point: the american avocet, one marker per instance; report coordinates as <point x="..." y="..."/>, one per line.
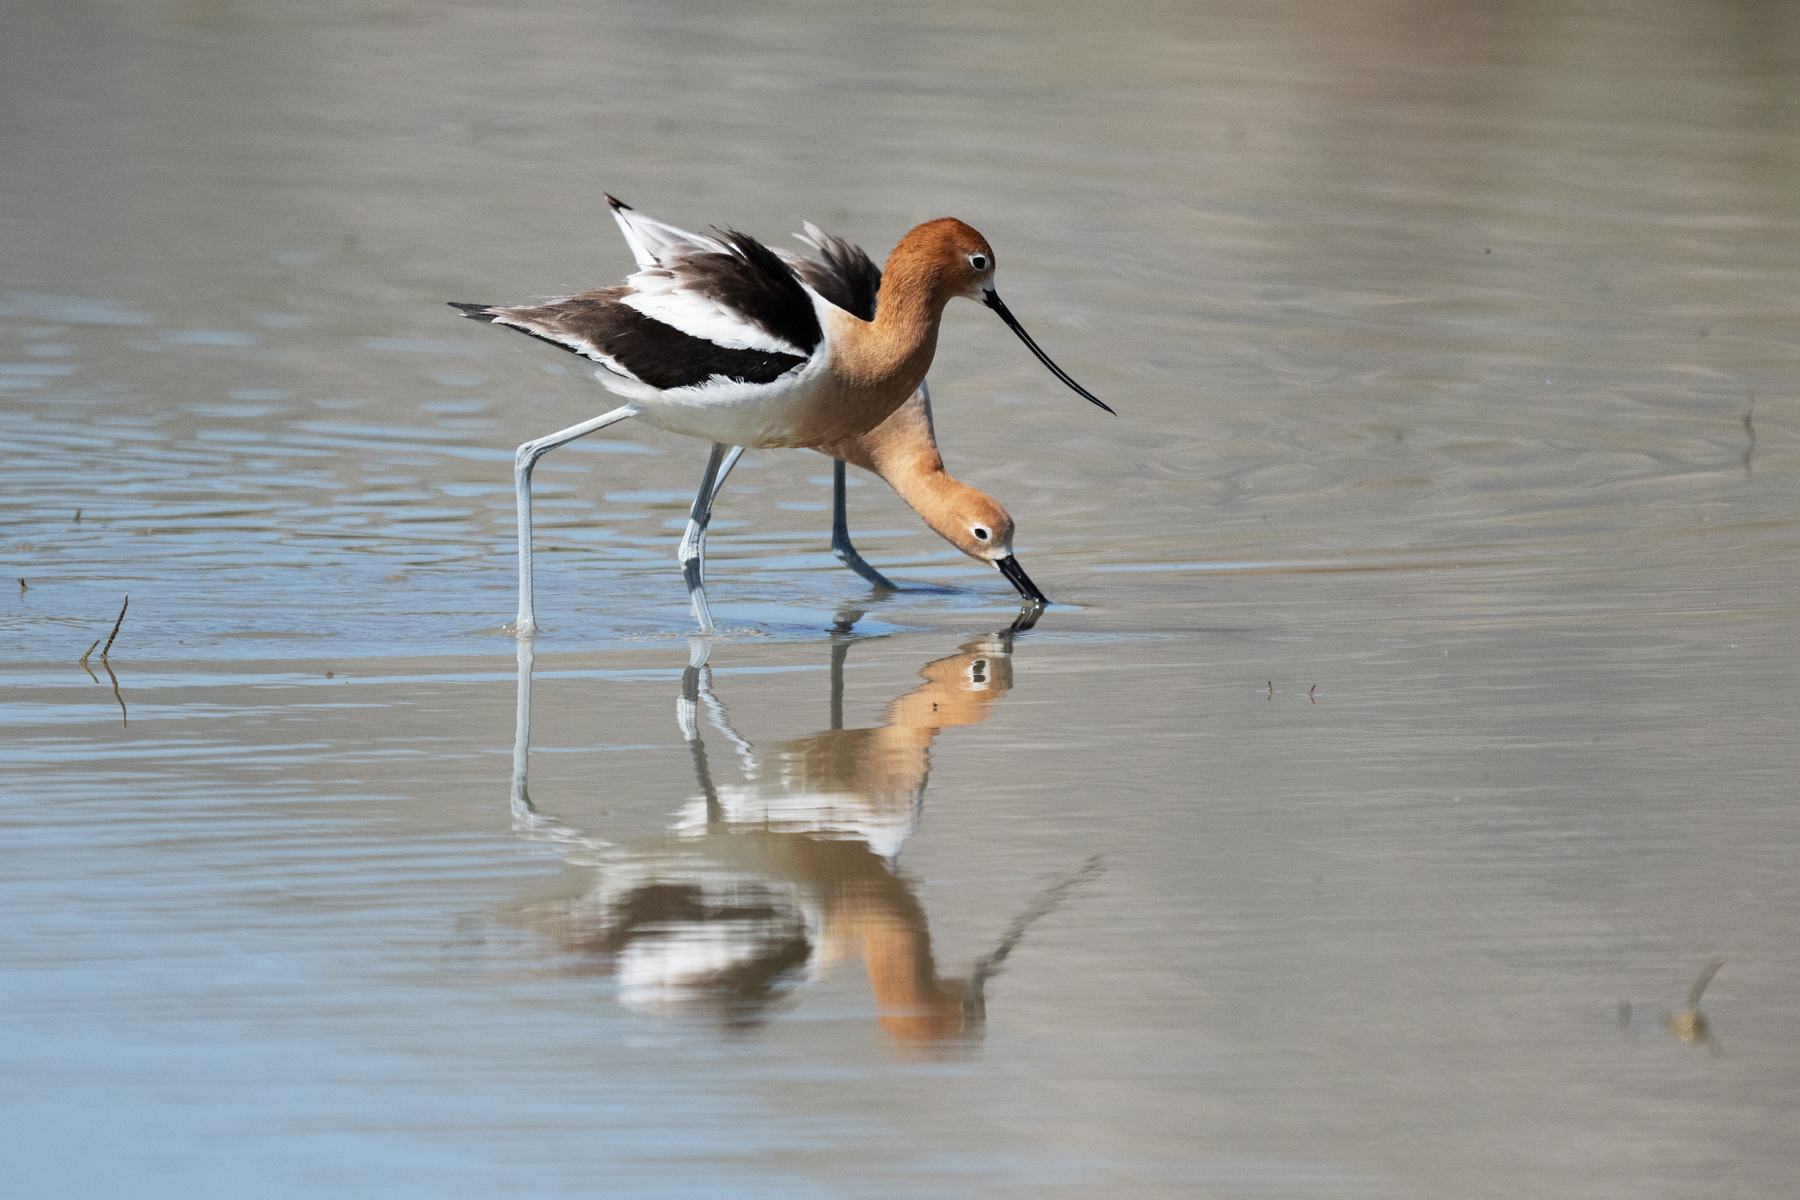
<point x="721" y="338"/>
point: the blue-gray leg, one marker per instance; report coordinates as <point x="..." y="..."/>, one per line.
<point x="693" y="542"/>
<point x="523" y="461"/>
<point x="840" y="533"/>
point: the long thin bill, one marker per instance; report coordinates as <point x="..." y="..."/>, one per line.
<point x="992" y="300"/>
<point x="1015" y="575"/>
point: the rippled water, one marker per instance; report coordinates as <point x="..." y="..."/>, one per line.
<point x="1411" y="732"/>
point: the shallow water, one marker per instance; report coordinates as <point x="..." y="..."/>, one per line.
<point x="1412" y="729"/>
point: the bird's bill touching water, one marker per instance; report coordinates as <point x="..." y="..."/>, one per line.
<point x="991" y="298"/>
<point x="1015" y="575"/>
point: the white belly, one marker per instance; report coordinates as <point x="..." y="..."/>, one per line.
<point x="737" y="414"/>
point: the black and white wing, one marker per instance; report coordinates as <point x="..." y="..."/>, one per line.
<point x="655" y="242"/>
<point x="738" y="313"/>
<point x="847" y="277"/>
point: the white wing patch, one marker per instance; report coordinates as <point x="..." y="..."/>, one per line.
<point x="663" y="295"/>
<point x="654" y="242"/>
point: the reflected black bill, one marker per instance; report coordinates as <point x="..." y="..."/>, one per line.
<point x="992" y="299"/>
<point x="1015" y="575"/>
<point x="1028" y="617"/>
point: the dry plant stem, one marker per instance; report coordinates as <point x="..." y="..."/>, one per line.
<point x="1750" y="429"/>
<point x="1046" y="902"/>
<point x="115" y="631"/>
<point x="84" y="656"/>
<point x="1706" y="977"/>
<point x="124" y="717"/>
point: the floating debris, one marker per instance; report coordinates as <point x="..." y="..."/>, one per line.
<point x="1690" y="1024"/>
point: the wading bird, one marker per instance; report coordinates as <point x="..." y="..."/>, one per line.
<point x="719" y="337"/>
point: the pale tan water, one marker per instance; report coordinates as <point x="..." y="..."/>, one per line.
<point x="1420" y="694"/>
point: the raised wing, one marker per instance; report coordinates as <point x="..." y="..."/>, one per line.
<point x="599" y="326"/>
<point x="654" y="242"/>
<point x="742" y="298"/>
<point x="847" y="277"/>
<point x="697" y="309"/>
<point x="739" y="313"/>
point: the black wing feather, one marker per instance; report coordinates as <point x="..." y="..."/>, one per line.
<point x="754" y="282"/>
<point x="751" y="280"/>
<point x="847" y="277"/>
<point x="595" y="325"/>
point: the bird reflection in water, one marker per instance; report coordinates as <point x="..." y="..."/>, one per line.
<point x="767" y="881"/>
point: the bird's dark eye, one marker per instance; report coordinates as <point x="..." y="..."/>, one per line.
<point x="978" y="261"/>
<point x="981" y="533"/>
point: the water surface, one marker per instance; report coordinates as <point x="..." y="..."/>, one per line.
<point x="1412" y="728"/>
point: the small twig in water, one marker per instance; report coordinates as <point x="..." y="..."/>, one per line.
<point x="1271" y="689"/>
<point x="1310" y="691"/>
<point x="1706" y="977"/>
<point x="88" y="651"/>
<point x="78" y="516"/>
<point x="989" y="965"/>
<point x="124" y="717"/>
<point x="116" y="624"/>
<point x="22" y="586"/>
<point x="1750" y="428"/>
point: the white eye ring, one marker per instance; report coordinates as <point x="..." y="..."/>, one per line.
<point x="980" y="533"/>
<point x="978" y="261"/>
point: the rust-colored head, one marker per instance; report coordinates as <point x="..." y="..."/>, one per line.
<point x="934" y="1028"/>
<point x="968" y="518"/>
<point x="952" y="256"/>
<point x="944" y="259"/>
<point x="973" y="522"/>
